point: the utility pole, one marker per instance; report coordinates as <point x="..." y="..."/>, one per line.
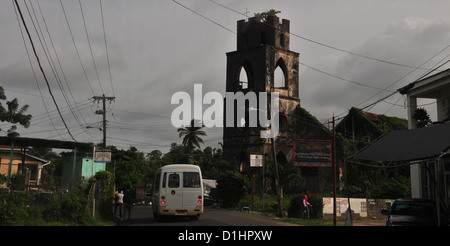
<point x="103" y="112"/>
<point x="277" y="179"/>
<point x="334" y="172"/>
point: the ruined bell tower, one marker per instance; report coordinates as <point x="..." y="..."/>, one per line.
<point x="262" y="63"/>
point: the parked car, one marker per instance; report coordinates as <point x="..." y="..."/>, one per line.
<point x="413" y="212"/>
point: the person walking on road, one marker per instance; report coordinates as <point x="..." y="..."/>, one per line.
<point x="306" y="206"/>
<point x="127" y="204"/>
<point x="120" y="203"/>
<point x="116" y="202"/>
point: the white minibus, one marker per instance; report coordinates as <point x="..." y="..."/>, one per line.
<point x="178" y="191"/>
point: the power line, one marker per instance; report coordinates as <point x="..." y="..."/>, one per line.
<point x="224" y="6"/>
<point x="204" y="17"/>
<point x="34" y="73"/>
<point x="89" y="44"/>
<point x="338" y="77"/>
<point x="75" y="46"/>
<point x="322" y="44"/>
<point x="51" y="63"/>
<point x="42" y="70"/>
<point x="106" y="48"/>
<point x="316" y="42"/>
<point x="373" y="104"/>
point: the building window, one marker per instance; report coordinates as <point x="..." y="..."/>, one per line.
<point x="243" y="79"/>
<point x="280" y="75"/>
<point x="279" y="80"/>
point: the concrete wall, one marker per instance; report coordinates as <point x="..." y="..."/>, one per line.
<point x="361" y="207"/>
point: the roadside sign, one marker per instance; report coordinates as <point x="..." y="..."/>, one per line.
<point x="312" y="152"/>
<point x="256" y="160"/>
<point x="103" y="156"/>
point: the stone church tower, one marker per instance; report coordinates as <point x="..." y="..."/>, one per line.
<point x="262" y="63"/>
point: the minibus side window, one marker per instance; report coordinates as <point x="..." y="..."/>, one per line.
<point x="164" y="181"/>
<point x="174" y="180"/>
<point x="158" y="178"/>
<point x="191" y="180"/>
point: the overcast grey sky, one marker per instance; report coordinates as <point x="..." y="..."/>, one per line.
<point x="158" y="47"/>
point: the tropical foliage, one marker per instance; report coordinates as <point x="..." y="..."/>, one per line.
<point x="263" y="15"/>
<point x="13" y="114"/>
<point x="191" y="136"/>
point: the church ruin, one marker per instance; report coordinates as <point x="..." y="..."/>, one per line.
<point x="263" y="62"/>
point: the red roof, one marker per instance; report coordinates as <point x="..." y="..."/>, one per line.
<point x="373" y="117"/>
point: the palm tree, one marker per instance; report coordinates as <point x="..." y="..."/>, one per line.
<point x="191" y="138"/>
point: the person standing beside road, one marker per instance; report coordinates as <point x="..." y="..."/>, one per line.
<point x="116" y="202"/>
<point x="127" y="204"/>
<point x="306" y="206"/>
<point x="120" y="203"/>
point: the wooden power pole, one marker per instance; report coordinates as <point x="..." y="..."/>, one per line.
<point x="103" y="112"/>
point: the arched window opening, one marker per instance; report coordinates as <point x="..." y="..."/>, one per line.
<point x="243" y="159"/>
<point x="281" y="158"/>
<point x="279" y="79"/>
<point x="243" y="79"/>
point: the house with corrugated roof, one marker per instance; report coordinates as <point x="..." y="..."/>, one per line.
<point x="18" y="161"/>
<point x="436" y="86"/>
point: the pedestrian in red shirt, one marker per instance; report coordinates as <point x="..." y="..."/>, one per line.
<point x="306" y="206"/>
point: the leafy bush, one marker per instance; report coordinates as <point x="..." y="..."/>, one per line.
<point x="106" y="180"/>
<point x="270" y="203"/>
<point x="13" y="209"/>
<point x="230" y="188"/>
<point x="75" y="206"/>
<point x="51" y="211"/>
<point x="295" y="208"/>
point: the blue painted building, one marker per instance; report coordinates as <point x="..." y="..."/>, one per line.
<point x="81" y="168"/>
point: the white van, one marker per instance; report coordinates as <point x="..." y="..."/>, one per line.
<point x="178" y="191"/>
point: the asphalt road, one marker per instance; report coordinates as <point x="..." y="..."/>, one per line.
<point x="143" y="216"/>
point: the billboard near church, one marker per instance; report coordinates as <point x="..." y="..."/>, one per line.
<point x="312" y="152"/>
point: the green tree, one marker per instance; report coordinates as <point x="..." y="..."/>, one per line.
<point x="231" y="188"/>
<point x="154" y="155"/>
<point x="106" y="180"/>
<point x="14" y="114"/>
<point x="176" y="154"/>
<point x="422" y="118"/>
<point x="131" y="168"/>
<point x="75" y="205"/>
<point x="263" y="15"/>
<point x="191" y="137"/>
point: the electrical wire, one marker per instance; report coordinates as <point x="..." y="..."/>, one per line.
<point x="322" y="44"/>
<point x="338" y="77"/>
<point x="52" y="64"/>
<point x="34" y="73"/>
<point x="41" y="68"/>
<point x="106" y="48"/>
<point x="398" y="80"/>
<point x="328" y="46"/>
<point x="76" y="49"/>
<point x="90" y="46"/>
<point x="204" y="17"/>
